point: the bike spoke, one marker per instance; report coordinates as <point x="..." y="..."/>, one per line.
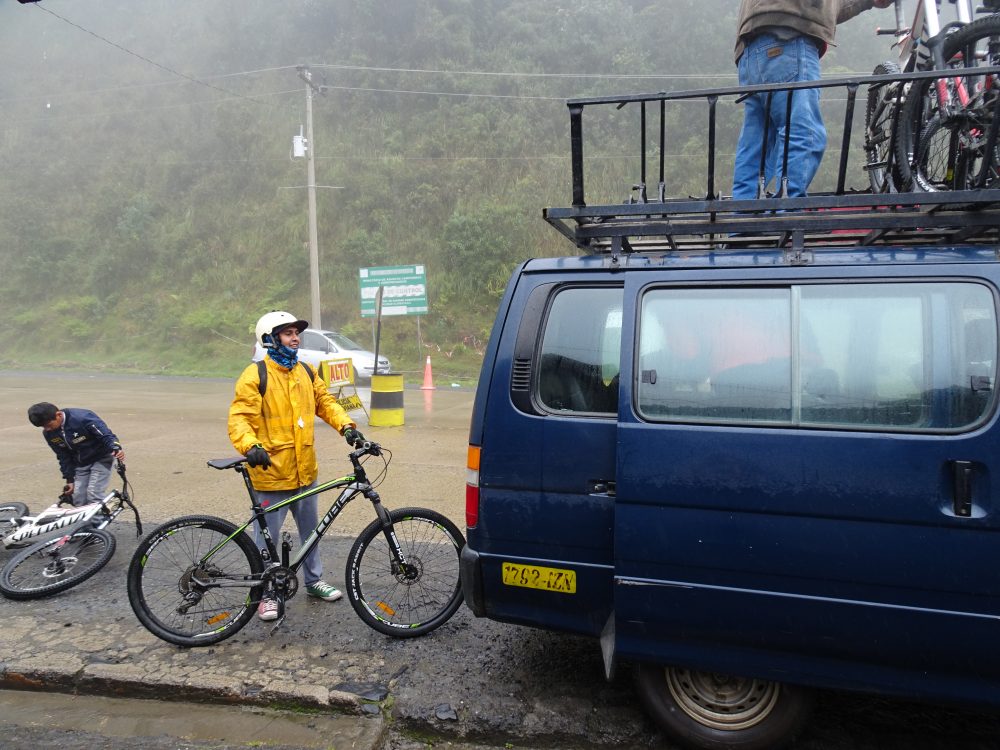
<point x="420" y="591"/>
<point x="173" y="587"/>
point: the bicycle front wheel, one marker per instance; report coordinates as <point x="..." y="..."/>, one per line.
<point x="57" y="564"/>
<point x="195" y="581"/>
<point x="415" y="597"/>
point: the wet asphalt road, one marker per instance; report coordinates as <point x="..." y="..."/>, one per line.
<point x="505" y="684"/>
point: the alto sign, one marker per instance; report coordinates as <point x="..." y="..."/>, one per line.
<point x="404" y="290"/>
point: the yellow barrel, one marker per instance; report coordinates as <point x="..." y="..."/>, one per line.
<point x="387" y="401"/>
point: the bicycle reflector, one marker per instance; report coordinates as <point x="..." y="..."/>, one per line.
<point x="472" y="486"/>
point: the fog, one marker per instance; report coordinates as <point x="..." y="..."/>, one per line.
<point x="152" y="207"/>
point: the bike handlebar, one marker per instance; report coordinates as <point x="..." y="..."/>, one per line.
<point x="366" y="447"/>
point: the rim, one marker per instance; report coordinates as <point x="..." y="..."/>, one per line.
<point x="722" y="701"/>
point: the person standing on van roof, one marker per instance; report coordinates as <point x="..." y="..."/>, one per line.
<point x="84" y="445"/>
<point x="271" y="423"/>
<point x="780" y="41"/>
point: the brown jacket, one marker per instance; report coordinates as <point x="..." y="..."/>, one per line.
<point x="815" y="18"/>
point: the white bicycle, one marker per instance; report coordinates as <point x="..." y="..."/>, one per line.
<point x="64" y="545"/>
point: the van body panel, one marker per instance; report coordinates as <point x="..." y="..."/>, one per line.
<point x="543" y="496"/>
<point x="830" y="550"/>
<point x="789" y="548"/>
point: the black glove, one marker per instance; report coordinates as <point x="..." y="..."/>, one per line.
<point x="257" y="456"/>
<point x="353" y="437"/>
<point x="66" y="496"/>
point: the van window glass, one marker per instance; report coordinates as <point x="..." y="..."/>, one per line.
<point x="914" y="356"/>
<point x="580" y="353"/>
<point x="716" y="353"/>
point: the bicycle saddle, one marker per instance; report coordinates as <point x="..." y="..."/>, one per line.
<point x="226" y="463"/>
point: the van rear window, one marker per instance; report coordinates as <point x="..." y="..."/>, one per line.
<point x="580" y="353"/>
<point x="905" y="356"/>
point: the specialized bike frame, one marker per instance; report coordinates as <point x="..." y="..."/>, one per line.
<point x="53" y="520"/>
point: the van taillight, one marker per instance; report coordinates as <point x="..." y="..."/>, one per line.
<point x="472" y="486"/>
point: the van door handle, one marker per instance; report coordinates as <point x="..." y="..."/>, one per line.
<point x="601" y="487"/>
<point x="961" y="488"/>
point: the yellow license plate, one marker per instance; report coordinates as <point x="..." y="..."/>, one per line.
<point x="537" y="577"/>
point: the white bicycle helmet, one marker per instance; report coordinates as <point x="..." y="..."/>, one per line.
<point x="272" y="322"/>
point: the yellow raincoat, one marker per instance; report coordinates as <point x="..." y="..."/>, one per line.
<point x="282" y="421"/>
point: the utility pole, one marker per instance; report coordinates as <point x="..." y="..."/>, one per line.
<point x="306" y="75"/>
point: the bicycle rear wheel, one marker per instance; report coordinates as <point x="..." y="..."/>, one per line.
<point x="57" y="564"/>
<point x="10" y="511"/>
<point x="412" y="600"/>
<point x="191" y="581"/>
<point x="878" y="131"/>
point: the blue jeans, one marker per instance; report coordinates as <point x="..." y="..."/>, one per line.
<point x="306" y="515"/>
<point x="768" y="59"/>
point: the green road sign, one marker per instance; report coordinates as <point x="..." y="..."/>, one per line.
<point x="404" y="290"/>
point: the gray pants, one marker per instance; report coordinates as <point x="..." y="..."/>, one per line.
<point x="306" y="515"/>
<point x="90" y="483"/>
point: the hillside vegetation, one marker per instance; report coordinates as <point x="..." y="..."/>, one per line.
<point x="150" y="209"/>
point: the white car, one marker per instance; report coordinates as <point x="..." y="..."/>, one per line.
<point x="316" y="346"/>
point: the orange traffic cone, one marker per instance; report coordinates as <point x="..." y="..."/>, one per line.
<point x="428" y="378"/>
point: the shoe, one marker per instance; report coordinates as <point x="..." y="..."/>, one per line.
<point x="323" y="590"/>
<point x="267" y="610"/>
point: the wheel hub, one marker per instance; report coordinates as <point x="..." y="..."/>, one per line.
<point x="59" y="567"/>
<point x="409" y="572"/>
<point x="722" y="701"/>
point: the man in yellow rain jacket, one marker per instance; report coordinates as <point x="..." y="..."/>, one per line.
<point x="273" y="427"/>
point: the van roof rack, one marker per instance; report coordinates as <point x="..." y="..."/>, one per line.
<point x="845" y="217"/>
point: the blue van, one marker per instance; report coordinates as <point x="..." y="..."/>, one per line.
<point x="751" y="453"/>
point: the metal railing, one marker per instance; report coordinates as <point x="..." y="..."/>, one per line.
<point x="858" y="216"/>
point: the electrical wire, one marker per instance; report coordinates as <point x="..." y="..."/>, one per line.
<point x="137" y="55"/>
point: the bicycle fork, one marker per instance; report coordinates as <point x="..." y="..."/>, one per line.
<point x="399" y="567"/>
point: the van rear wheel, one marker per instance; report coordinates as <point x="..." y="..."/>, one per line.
<point x="710" y="711"/>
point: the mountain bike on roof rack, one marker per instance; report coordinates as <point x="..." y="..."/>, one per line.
<point x="197" y="580"/>
<point x="937" y="134"/>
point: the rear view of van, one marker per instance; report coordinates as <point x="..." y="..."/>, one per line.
<point x="748" y="468"/>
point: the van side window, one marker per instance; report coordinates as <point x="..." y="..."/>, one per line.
<point x="580" y="352"/>
<point x="913" y="356"/>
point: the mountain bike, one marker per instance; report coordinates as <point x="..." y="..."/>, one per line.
<point x="937" y="133"/>
<point x="197" y="580"/>
<point x="67" y="545"/>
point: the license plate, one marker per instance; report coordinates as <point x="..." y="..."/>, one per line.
<point x="538" y="577"/>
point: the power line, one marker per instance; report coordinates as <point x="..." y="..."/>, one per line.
<point x="140" y="57"/>
<point x="514" y="74"/>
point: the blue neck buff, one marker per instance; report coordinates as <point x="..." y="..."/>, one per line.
<point x="284" y="356"/>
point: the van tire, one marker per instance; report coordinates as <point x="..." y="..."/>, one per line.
<point x="749" y="715"/>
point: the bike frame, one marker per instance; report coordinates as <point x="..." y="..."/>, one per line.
<point x="927" y="18"/>
<point x="68" y="521"/>
<point x="352" y="485"/>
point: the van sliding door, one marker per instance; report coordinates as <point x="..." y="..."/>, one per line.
<point x="805" y="481"/>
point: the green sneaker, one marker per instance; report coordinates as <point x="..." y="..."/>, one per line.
<point x="323" y="590"/>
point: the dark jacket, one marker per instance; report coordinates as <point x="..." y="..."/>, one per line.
<point x="815" y="18"/>
<point x="83" y="439"/>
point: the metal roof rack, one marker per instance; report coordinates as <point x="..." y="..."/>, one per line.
<point x="842" y="218"/>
